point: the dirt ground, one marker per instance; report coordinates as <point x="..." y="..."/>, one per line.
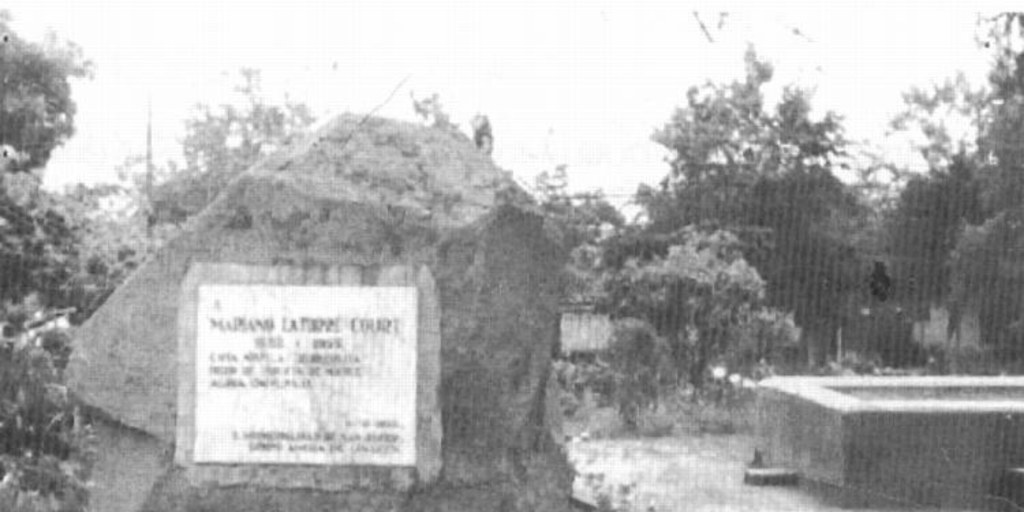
<point x="691" y="473"/>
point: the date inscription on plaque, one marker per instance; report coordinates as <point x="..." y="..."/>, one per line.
<point x="321" y="375"/>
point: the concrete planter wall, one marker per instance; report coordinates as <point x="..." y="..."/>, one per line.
<point x="899" y="441"/>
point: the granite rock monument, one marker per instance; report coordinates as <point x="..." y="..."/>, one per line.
<point x="256" y="320"/>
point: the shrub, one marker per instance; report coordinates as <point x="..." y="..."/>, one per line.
<point x="719" y="408"/>
<point x="581" y="377"/>
<point x="609" y="497"/>
<point x="971" y="360"/>
<point x="766" y="339"/>
<point x="635" y="355"/>
<point x="46" y="450"/>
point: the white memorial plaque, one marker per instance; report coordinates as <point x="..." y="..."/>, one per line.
<point x="306" y="375"/>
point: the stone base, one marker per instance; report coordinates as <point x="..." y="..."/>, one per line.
<point x="128" y="464"/>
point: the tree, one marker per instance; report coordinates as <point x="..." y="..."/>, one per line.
<point x="1002" y="139"/>
<point x="581" y="217"/>
<point x="925" y="226"/>
<point x="581" y="221"/>
<point x="931" y="112"/>
<point x="38" y="251"/>
<point x="222" y="142"/>
<point x="766" y="175"/>
<point x="112" y="241"/>
<point x="37" y="113"/>
<point x="988" y="262"/>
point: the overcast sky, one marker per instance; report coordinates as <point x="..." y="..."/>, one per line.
<point x="579" y="83"/>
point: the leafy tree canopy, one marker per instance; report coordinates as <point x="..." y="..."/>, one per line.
<point x="39" y="250"/>
<point x="957" y="231"/>
<point x="581" y="217"/>
<point x="765" y="174"/>
<point x="725" y="140"/>
<point x="37" y="113"/>
<point x="223" y="141"/>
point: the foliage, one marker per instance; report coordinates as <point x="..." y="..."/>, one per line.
<point x="582" y="218"/>
<point x="112" y="241"/>
<point x="766" y="175"/>
<point x="989" y="276"/>
<point x="722" y="409"/>
<point x="808" y="261"/>
<point x="46" y="248"/>
<point x="932" y="210"/>
<point x="68" y="249"/>
<point x="609" y="497"/>
<point x="38" y="250"/>
<point x="580" y="377"/>
<point x="971" y="360"/>
<point x="1002" y="140"/>
<point x="582" y="221"/>
<point x="766" y="341"/>
<point x="695" y="296"/>
<point x="936" y="112"/>
<point x="635" y="355"/>
<point x="223" y="141"/>
<point x="986" y="264"/>
<point x="46" y="449"/>
<point x="724" y="141"/>
<point x="37" y="113"/>
<point x="432" y="111"/>
<point x="924" y="228"/>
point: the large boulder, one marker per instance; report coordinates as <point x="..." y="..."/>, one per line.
<point x="373" y="193"/>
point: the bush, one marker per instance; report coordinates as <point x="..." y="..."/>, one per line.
<point x="636" y="353"/>
<point x="720" y="408"/>
<point x="582" y="377"/>
<point x="971" y="360"/>
<point x="46" y="449"/>
<point x="768" y="338"/>
<point x="609" y="497"/>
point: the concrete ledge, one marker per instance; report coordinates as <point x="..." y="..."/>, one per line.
<point x="925" y="441"/>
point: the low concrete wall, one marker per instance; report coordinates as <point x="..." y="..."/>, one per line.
<point x="800" y="434"/>
<point x="882" y="452"/>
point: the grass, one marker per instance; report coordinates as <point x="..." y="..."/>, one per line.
<point x="676" y="415"/>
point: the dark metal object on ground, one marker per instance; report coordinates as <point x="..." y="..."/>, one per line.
<point x="770" y="476"/>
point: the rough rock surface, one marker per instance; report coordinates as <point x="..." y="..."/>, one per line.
<point x="367" y="192"/>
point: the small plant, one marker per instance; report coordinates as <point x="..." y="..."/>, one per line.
<point x="723" y="405"/>
<point x="656" y="423"/>
<point x="581" y="378"/>
<point x="609" y="497"/>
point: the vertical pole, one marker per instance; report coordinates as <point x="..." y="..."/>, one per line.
<point x="839" y="344"/>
